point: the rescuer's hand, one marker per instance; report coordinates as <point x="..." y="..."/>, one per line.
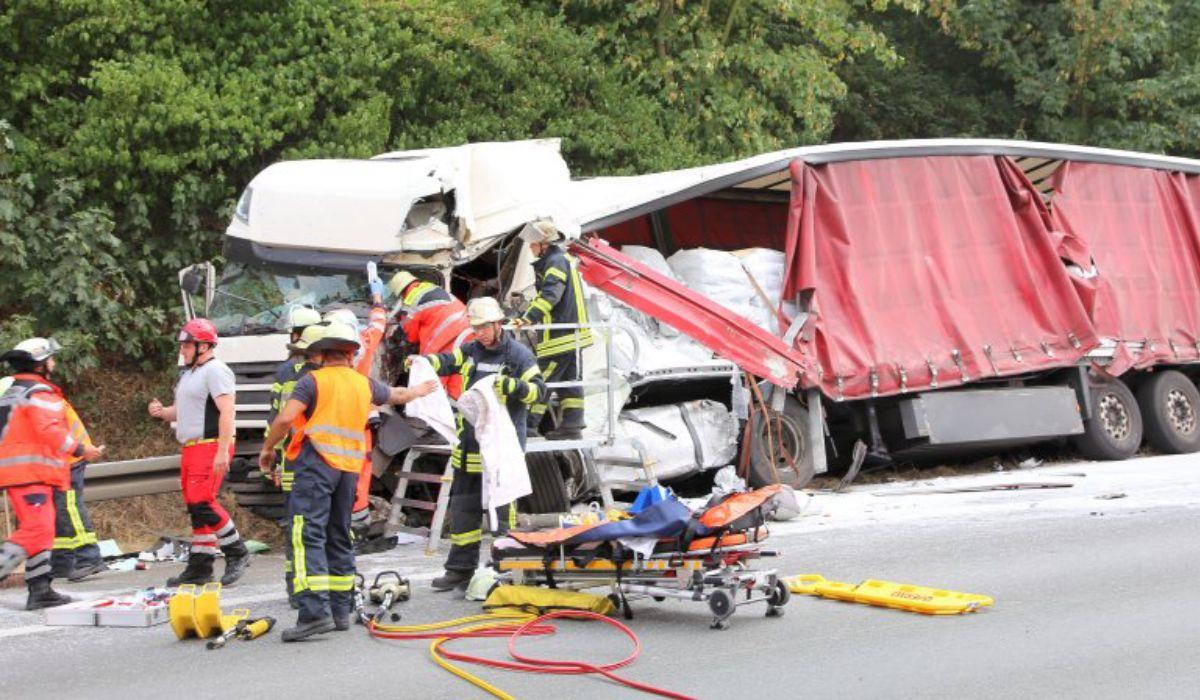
<point x="91" y="453"/>
<point x="221" y="463"/>
<point x="374" y="281"/>
<point x="426" y="388"/>
<point x="505" y="386"/>
<point x="518" y="322"/>
<point x="155" y="408"/>
<point x="266" y="461"/>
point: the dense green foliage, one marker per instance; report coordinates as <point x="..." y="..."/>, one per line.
<point x="129" y="126"/>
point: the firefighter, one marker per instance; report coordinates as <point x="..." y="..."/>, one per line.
<point x="364" y="361"/>
<point x="204" y="413"/>
<point x="76" y="553"/>
<point x="492" y="352"/>
<point x="432" y="319"/>
<point x="303" y="323"/>
<point x="327" y="413"/>
<point x="559" y="300"/>
<point x="35" y="444"/>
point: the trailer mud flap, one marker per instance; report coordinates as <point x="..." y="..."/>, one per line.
<point x="729" y="335"/>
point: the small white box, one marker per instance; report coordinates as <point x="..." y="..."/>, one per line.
<point x="80" y="614"/>
<point x="139" y="614"/>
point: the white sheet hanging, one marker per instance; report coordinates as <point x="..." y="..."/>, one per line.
<point x="505" y="476"/>
<point x="434" y="409"/>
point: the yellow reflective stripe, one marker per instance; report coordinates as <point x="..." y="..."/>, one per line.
<point x="555" y="272"/>
<point x="530" y="373"/>
<point x="300" y="580"/>
<point x="538" y="409"/>
<point x="434" y="361"/>
<point x="82" y="536"/>
<point x="323" y="582"/>
<point x="458" y="356"/>
<point x="512" y="515"/>
<point x="464" y="538"/>
<point x="531" y="395"/>
<point x="31" y="459"/>
<point x="572" y="403"/>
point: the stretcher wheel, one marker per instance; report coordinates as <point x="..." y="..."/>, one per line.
<point x="780" y="594"/>
<point x="720" y="603"/>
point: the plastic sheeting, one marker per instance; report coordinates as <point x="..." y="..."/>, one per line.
<point x="927" y="272"/>
<point x="1142" y="229"/>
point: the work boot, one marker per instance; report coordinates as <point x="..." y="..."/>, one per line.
<point x="199" y="570"/>
<point x="41" y="595"/>
<point x="237" y="560"/>
<point x="304" y="630"/>
<point x="341" y="622"/>
<point x="11" y="556"/>
<point x="452" y="580"/>
<point x="80" y="573"/>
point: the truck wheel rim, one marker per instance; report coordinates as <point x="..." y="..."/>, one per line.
<point x="1180" y="412"/>
<point x="1114" y="417"/>
<point x="785" y="432"/>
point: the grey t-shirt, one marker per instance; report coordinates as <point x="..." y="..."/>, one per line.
<point x="196" y="415"/>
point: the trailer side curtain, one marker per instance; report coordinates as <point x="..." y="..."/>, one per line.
<point x="924" y="272"/>
<point x="1141" y="226"/>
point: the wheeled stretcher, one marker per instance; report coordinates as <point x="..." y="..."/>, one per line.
<point x="665" y="551"/>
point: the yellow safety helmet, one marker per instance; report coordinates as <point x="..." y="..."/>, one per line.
<point x="399" y="281"/>
<point x="337" y="336"/>
<point x="308" y="336"/>
<point x="301" y="317"/>
<point x="484" y="310"/>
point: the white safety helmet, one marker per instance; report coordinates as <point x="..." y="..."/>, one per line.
<point x="481" y="585"/>
<point x="301" y="317"/>
<point x="34" y="350"/>
<point x="344" y="316"/>
<point x="337" y="336"/>
<point x="541" y="231"/>
<point x="484" y="310"/>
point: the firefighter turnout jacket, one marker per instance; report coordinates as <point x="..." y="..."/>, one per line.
<point x="559" y="300"/>
<point x="286" y="375"/>
<point x="435" y="321"/>
<point x="520" y="386"/>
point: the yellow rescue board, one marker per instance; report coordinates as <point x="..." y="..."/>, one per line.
<point x="886" y="594"/>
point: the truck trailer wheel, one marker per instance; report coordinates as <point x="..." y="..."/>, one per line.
<point x="787" y="428"/>
<point x="1170" y="405"/>
<point x="549" y="490"/>
<point x="1114" y="431"/>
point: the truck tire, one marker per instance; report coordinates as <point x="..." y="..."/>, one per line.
<point x="791" y="424"/>
<point x="1170" y="406"/>
<point x="1114" y="432"/>
<point x="549" y="490"/>
<point x="258" y="495"/>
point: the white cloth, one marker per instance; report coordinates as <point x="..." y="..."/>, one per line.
<point x="505" y="477"/>
<point x="434" y="409"/>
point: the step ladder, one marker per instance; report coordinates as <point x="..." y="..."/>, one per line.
<point x="400" y="500"/>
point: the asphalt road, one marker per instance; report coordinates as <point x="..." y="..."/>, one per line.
<point x="1097" y="601"/>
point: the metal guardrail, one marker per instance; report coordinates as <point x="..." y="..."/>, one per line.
<point x="133" y="477"/>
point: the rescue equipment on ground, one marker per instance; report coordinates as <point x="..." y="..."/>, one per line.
<point x="388" y="589"/>
<point x="244" y="629"/>
<point x="144" y="608"/>
<point x="539" y="601"/>
<point x="664" y="551"/>
<point x="198" y="614"/>
<point x="886" y="594"/>
<point x="513" y="626"/>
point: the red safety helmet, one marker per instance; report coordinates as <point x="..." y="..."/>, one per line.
<point x="198" y="330"/>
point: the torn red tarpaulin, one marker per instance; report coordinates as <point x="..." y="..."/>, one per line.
<point x="1141" y="226"/>
<point x="726" y="333"/>
<point x="928" y="271"/>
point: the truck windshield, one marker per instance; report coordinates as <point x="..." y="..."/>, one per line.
<point x="254" y="295"/>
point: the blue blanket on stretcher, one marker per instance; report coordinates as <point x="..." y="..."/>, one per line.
<point x="667" y="518"/>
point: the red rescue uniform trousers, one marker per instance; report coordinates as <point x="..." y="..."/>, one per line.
<point x="33" y="507"/>
<point x="200" y="489"/>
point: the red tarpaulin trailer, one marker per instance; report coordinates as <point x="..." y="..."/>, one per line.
<point x="926" y="272"/>
<point x="1142" y="229"/>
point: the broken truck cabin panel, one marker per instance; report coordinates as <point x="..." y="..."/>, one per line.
<point x="915" y="268"/>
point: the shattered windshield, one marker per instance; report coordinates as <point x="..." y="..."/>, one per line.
<point x="253" y="296"/>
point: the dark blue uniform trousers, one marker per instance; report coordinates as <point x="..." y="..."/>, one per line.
<point x="322" y="554"/>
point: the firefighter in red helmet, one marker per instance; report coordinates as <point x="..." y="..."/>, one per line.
<point x="204" y="425"/>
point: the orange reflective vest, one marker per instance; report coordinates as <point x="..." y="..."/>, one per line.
<point x="78" y="430"/>
<point x="337" y="427"/>
<point x="35" y="440"/>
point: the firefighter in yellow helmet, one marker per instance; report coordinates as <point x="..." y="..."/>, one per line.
<point x="327" y="414"/>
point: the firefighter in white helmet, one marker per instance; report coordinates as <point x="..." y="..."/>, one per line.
<point x="520" y="385"/>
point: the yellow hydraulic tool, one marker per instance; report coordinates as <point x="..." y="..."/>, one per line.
<point x="253" y="629"/>
<point x="886" y="594"/>
<point x="230" y="624"/>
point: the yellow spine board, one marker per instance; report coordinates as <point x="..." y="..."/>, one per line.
<point x="886" y="594"/>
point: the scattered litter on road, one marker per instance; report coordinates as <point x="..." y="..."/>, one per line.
<point x="1029" y="463"/>
<point x="257" y="547"/>
<point x="127" y="564"/>
<point x="109" y="549"/>
<point x="1110" y="496"/>
<point x="1067" y="474"/>
<point x="886" y="594"/>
